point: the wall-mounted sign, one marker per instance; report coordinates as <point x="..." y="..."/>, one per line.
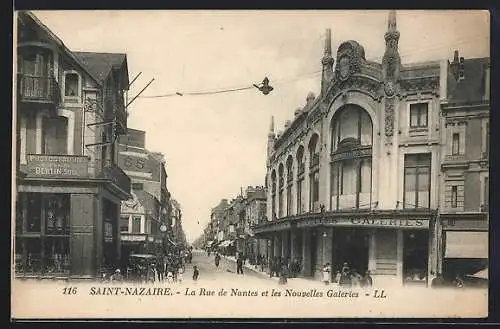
<point x="133" y="237"/>
<point x="58" y="166"/>
<point x="401" y="223"/>
<point x="108" y="232"/>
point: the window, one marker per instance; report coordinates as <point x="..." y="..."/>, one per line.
<point x="299" y="195"/>
<point x="417" y="180"/>
<point x="487" y="141"/>
<point x="136" y="224"/>
<point x="455" y="148"/>
<point x="55" y="135"/>
<point x="42" y="239"/>
<point x="71" y="85"/>
<point x="486" y="194"/>
<point x="124" y="224"/>
<point x="289" y="200"/>
<point x="418" y="115"/>
<point x="454" y="196"/>
<point x="352" y="122"/>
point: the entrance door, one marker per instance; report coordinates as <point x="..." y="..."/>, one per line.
<point x="351" y="246"/>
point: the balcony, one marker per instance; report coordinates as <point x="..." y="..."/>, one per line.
<point x="117" y="177"/>
<point x="38" y="89"/>
<point x="61" y="167"/>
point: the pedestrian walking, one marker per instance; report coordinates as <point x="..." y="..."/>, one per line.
<point x="326" y="273"/>
<point x="196" y="273"/>
<point x="367" y="280"/>
<point x="239" y="265"/>
<point x="217" y="259"/>
<point x="170" y="277"/>
<point x="180" y="274"/>
<point x="283" y="274"/>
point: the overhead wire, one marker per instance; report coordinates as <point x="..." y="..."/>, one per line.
<point x="302" y="77"/>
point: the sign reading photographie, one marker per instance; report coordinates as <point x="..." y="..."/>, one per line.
<point x="57" y="166"/>
<point x="132" y="237"/>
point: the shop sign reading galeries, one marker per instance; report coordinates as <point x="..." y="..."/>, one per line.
<point x="57" y="166"/>
<point x="402" y="223"/>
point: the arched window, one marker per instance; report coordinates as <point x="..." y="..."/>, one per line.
<point x="314" y="173"/>
<point x="289" y="175"/>
<point x="351" y="159"/>
<point x="281" y="187"/>
<point x="300" y="179"/>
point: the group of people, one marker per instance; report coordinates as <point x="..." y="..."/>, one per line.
<point x="347" y="277"/>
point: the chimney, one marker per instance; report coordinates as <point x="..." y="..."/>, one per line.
<point x="461" y="69"/>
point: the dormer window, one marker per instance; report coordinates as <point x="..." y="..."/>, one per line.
<point x="72" y="86"/>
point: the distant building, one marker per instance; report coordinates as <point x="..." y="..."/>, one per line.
<point x="143" y="215"/>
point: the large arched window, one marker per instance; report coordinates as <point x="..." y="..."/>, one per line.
<point x="301" y="168"/>
<point x="314" y="173"/>
<point x="351" y="159"/>
<point x="281" y="187"/>
<point x="289" y="184"/>
<point x="273" y="194"/>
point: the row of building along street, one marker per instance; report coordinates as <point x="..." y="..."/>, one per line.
<point x="386" y="170"/>
<point x="89" y="192"/>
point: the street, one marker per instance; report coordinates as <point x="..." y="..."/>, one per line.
<point x="225" y="273"/>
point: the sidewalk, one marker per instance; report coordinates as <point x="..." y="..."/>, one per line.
<point x="298" y="282"/>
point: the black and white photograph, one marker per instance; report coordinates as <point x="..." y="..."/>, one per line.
<point x="250" y="164"/>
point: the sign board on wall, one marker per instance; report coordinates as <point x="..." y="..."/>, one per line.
<point x="133" y="237"/>
<point x="57" y="166"/>
<point x="368" y="222"/>
<point x="139" y="163"/>
<point x="108" y="232"/>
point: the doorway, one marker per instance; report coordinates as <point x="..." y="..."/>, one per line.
<point x="415" y="255"/>
<point x="351" y="246"/>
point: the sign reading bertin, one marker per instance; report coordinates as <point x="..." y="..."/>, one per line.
<point x="57" y="166"/>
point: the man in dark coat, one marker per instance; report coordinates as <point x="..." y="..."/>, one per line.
<point x="239" y="264"/>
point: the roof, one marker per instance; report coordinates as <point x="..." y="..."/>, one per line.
<point x="101" y="64"/>
<point x="58" y="42"/>
<point x="472" y="88"/>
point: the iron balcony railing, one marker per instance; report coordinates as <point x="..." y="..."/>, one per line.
<point x="38" y="88"/>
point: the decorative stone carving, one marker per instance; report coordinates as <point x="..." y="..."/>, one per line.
<point x="420" y="84"/>
<point x="389" y="116"/>
<point x="372" y="87"/>
<point x="351" y="55"/>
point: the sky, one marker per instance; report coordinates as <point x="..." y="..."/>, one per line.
<point x="215" y="145"/>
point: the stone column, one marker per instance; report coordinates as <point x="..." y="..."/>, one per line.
<point x="293" y="243"/>
<point x="399" y="269"/>
<point x="306" y="252"/>
<point x="372" y="261"/>
<point x="284" y="244"/>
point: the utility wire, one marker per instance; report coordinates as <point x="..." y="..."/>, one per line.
<point x="290" y="80"/>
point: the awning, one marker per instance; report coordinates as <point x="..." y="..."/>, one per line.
<point x="226" y="243"/>
<point x="210" y="243"/>
<point x="466" y="245"/>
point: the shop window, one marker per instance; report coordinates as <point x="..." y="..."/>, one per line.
<point x="55" y="135"/>
<point x="56" y="213"/>
<point x="418" y="115"/>
<point x="454" y="196"/>
<point x="33" y="213"/>
<point x="455" y="148"/>
<point x="42" y="242"/>
<point x="56" y="255"/>
<point x="71" y="82"/>
<point x="417" y="180"/>
<point x="124" y="224"/>
<point x="136" y="224"/>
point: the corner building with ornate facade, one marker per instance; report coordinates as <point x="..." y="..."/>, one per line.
<point x="354" y="177"/>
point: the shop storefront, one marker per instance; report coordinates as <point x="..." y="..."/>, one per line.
<point x="66" y="220"/>
<point x="393" y="245"/>
<point x="464" y="244"/>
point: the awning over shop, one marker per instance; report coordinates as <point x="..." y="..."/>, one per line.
<point x="210" y="243"/>
<point x="226" y="243"/>
<point x="466" y="245"/>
